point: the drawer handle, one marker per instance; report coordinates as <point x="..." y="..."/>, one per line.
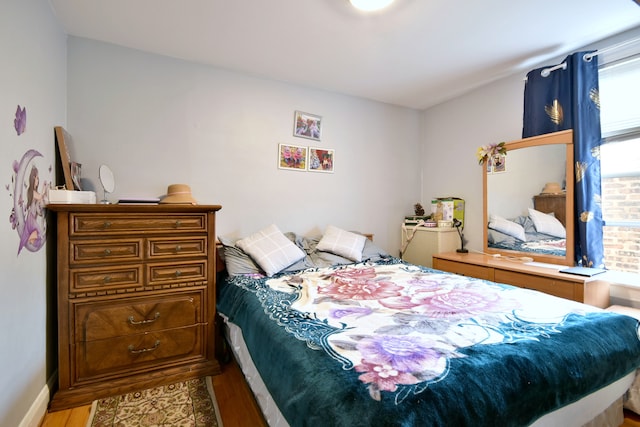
<point x="106" y="224"/>
<point x="178" y="273"/>
<point x="178" y="223"/>
<point x="143" y="322"/>
<point x="107" y="252"/>
<point x="178" y="248"/>
<point x="133" y="350"/>
<point x="106" y="279"/>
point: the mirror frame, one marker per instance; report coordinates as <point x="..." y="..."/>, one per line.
<point x="562" y="137"/>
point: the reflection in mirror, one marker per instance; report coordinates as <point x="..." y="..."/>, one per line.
<point x="107" y="181"/>
<point x="529" y="202"/>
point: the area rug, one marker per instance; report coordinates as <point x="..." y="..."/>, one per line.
<point x="189" y="403"/>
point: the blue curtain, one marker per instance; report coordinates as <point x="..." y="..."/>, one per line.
<point x="568" y="98"/>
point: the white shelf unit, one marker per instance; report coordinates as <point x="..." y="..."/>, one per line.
<point x="428" y="241"/>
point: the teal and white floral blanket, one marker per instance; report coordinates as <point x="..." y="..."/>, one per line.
<point x="391" y="344"/>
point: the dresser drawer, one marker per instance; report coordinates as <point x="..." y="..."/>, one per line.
<point x="188" y="271"/>
<point x="114" y="250"/>
<point x="84" y="224"/>
<point x="538" y="283"/>
<point x="177" y="247"/>
<point x="469" y="270"/>
<point x="130" y="353"/>
<point x="108" y="319"/>
<point x="104" y="279"/>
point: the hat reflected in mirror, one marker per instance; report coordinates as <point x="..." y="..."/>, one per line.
<point x="552" y="188"/>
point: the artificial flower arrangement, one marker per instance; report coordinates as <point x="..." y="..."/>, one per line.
<point x="489" y="151"/>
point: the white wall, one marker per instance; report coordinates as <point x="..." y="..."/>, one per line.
<point x="510" y="193"/>
<point x="156" y="121"/>
<point x="32" y="75"/>
<point x="454" y="130"/>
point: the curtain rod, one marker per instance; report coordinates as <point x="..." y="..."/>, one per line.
<point x="589" y="56"/>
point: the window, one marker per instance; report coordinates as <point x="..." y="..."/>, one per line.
<point x="620" y="163"/>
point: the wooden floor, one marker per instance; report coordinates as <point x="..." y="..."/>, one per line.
<point x="237" y="405"/>
<point x="631" y="419"/>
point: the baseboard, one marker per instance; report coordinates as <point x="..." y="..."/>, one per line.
<point x="38" y="409"/>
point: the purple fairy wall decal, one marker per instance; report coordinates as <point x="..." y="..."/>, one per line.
<point x="20" y="122"/>
<point x="29" y="199"/>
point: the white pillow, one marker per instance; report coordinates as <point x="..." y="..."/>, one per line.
<point x="271" y="249"/>
<point x="547" y="224"/>
<point x="507" y="227"/>
<point x="343" y="243"/>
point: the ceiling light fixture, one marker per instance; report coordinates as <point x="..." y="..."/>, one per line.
<point x="370" y="5"/>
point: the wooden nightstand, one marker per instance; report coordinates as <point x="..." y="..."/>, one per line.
<point x="136" y="298"/>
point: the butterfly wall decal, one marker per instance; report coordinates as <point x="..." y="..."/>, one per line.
<point x="20" y="122"/>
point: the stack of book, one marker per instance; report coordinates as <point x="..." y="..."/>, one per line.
<point x="139" y="201"/>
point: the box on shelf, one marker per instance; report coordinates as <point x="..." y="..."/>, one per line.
<point x="71" y="197"/>
<point x="448" y="208"/>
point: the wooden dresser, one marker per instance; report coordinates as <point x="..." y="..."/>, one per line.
<point x="136" y="298"/>
<point x="589" y="290"/>
<point x="552" y="203"/>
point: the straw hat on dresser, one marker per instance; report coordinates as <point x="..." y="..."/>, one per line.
<point x="179" y="194"/>
<point x="552" y="188"/>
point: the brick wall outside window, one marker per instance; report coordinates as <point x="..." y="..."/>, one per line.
<point x="621" y="202"/>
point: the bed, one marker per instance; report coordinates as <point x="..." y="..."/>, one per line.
<point x="538" y="232"/>
<point x="348" y="335"/>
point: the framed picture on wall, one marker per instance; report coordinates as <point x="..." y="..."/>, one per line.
<point x="293" y="157"/>
<point x="321" y="159"/>
<point x="307" y="125"/>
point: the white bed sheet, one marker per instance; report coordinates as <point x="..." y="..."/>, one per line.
<point x="603" y="408"/>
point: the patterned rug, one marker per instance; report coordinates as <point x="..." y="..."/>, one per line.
<point x="189" y="403"/>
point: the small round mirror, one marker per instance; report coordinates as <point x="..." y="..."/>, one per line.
<point x="106" y="179"/>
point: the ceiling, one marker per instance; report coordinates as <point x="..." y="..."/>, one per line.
<point x="416" y="53"/>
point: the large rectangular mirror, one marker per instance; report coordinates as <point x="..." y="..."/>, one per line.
<point x="519" y="219"/>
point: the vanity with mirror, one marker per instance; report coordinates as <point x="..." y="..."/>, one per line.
<point x="515" y="251"/>
<point x="512" y="195"/>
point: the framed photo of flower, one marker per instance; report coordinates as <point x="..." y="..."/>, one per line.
<point x="321" y="159"/>
<point x="307" y="125"/>
<point x="292" y="157"/>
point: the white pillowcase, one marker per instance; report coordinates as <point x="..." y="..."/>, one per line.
<point x="547" y="224"/>
<point x="343" y="243"/>
<point x="507" y="227"/>
<point x="271" y="249"/>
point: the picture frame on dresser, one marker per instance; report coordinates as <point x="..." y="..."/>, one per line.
<point x="63" y="164"/>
